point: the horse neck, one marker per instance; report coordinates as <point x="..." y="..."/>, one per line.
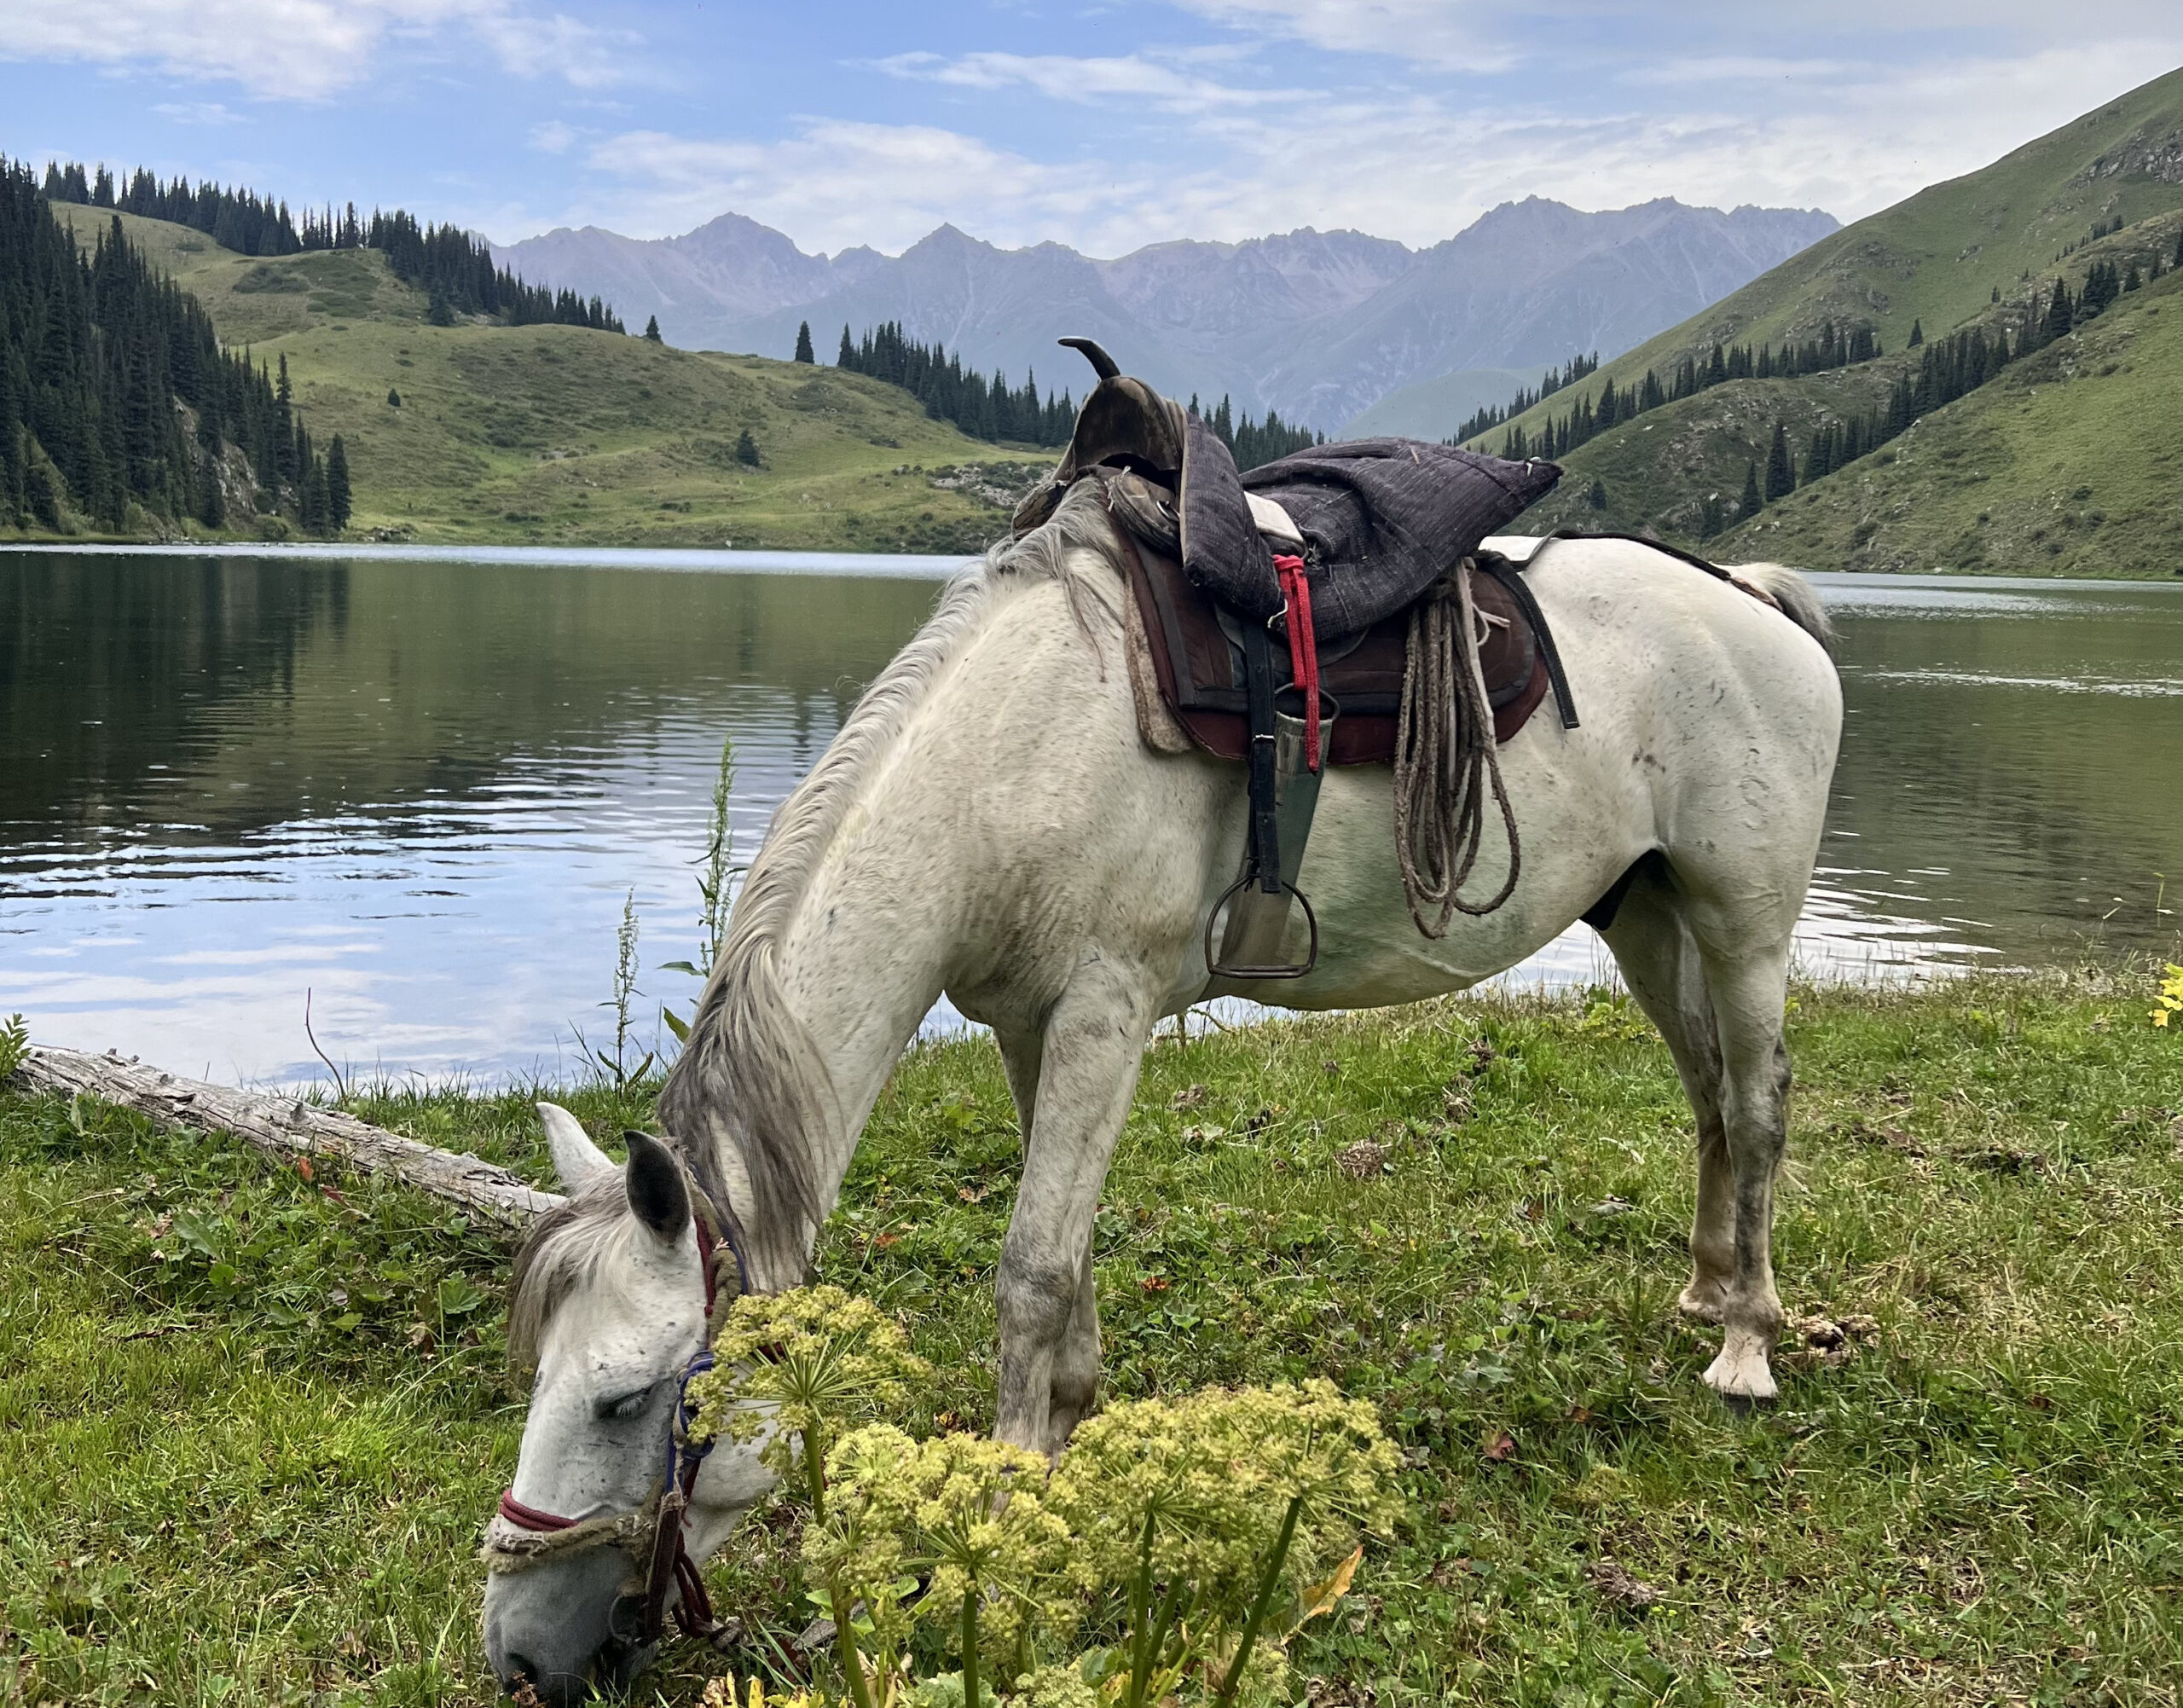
<point x="838" y="949"/>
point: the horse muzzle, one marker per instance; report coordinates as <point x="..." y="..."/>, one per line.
<point x="567" y="1630"/>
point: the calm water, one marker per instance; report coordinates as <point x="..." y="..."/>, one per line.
<point x="420" y="786"/>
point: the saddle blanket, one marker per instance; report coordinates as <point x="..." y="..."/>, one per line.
<point x="1186" y="670"/>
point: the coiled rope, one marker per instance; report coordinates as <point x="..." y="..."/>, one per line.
<point x="1446" y="758"/>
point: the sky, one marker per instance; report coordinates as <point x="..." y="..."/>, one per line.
<point x="1105" y="126"/>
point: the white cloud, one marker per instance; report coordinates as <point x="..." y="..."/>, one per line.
<point x="1060" y="77"/>
<point x="838" y="183"/>
<point x="297" y="49"/>
<point x="199" y="113"/>
<point x="552" y="137"/>
<point x="1456" y="34"/>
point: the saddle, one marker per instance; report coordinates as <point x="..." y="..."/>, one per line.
<point x="1281" y="607"/>
<point x="1196" y="652"/>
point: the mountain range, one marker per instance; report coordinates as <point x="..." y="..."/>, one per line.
<point x="1321" y="326"/>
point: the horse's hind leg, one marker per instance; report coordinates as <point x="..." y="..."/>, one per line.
<point x="1748" y="987"/>
<point x="1659" y="960"/>
<point x="1089" y="1056"/>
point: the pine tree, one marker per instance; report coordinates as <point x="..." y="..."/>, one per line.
<point x="1749" y="504"/>
<point x="1711" y="521"/>
<point x="746" y="450"/>
<point x="1917" y="332"/>
<point x="848" y="357"/>
<point x="651" y="330"/>
<point x="1596" y="497"/>
<point x="1781" y="472"/>
<point x="211" y="502"/>
<point x="393" y="398"/>
<point x="803" y="350"/>
<point x="1996" y="296"/>
<point x="2061" y="314"/>
<point x="311" y="499"/>
<point x="339" y="499"/>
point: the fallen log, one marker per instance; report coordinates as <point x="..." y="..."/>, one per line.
<point x="285" y="1127"/>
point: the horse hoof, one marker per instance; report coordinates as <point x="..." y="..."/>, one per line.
<point x="1743" y="1379"/>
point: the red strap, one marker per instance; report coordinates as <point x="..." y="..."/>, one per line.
<point x="1303" y="649"/>
<point x="529" y="1518"/>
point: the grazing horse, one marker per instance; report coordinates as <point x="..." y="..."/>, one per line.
<point x="989" y="824"/>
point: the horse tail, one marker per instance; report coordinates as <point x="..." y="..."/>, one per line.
<point x="1794" y="594"/>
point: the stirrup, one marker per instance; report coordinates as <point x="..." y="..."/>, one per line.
<point x="1212" y="965"/>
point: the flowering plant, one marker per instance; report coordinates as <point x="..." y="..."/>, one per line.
<point x="1172" y="1549"/>
<point x="2170" y="998"/>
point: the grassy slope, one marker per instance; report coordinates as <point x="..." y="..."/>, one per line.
<point x="553" y="434"/>
<point x="1981" y="1505"/>
<point x="2070" y="464"/>
<point x="1934" y="258"/>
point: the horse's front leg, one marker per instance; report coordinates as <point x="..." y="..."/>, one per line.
<point x="1093" y="1046"/>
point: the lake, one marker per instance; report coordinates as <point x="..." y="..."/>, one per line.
<point x="419" y="784"/>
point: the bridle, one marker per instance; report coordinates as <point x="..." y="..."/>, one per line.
<point x="655" y="1534"/>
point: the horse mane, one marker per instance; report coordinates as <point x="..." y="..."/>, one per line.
<point x="750" y="1076"/>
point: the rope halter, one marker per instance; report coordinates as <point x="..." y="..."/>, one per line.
<point x="654" y="1535"/>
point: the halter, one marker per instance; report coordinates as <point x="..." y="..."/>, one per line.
<point x="655" y="1534"/>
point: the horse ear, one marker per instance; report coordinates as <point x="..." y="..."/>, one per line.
<point x="659" y="1197"/>
<point x="575" y="1158"/>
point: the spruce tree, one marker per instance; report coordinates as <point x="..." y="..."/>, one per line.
<point x="848" y="356"/>
<point x="393" y="398"/>
<point x="1711" y="521"/>
<point x="1781" y="472"/>
<point x="2061" y="314"/>
<point x="1596" y="497"/>
<point x="746" y="450"/>
<point x="803" y="350"/>
<point x="651" y="330"/>
<point x="1917" y="332"/>
<point x="311" y="500"/>
<point x="339" y="500"/>
<point x="1748" y="505"/>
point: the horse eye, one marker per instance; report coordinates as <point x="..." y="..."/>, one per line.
<point x="627" y="1405"/>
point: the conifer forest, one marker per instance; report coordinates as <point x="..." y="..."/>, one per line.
<point x="116" y="395"/>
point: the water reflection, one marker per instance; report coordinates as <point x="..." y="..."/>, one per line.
<point x="420" y="786"/>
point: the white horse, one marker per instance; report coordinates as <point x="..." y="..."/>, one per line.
<point x="990" y="824"/>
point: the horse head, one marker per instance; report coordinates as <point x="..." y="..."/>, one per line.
<point x="608" y="1305"/>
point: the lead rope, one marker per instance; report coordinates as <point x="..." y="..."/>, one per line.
<point x="1446" y="758"/>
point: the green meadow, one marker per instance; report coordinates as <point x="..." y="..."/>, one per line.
<point x="554" y="435"/>
<point x="251" y="1423"/>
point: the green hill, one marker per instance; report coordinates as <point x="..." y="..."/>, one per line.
<point x="553" y="434"/>
<point x="2086" y="412"/>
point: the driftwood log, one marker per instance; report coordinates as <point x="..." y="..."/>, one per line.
<point x="285" y="1127"/>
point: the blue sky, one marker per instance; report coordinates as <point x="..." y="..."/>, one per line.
<point x="1106" y="126"/>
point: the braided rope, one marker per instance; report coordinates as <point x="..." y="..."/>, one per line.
<point x="508" y="1547"/>
<point x="1446" y="758"/>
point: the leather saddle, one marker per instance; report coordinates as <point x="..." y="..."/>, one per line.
<point x="1197" y="652"/>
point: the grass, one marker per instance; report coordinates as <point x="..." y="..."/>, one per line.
<point x="249" y="1428"/>
<point x="562" y="436"/>
<point x="2068" y="464"/>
